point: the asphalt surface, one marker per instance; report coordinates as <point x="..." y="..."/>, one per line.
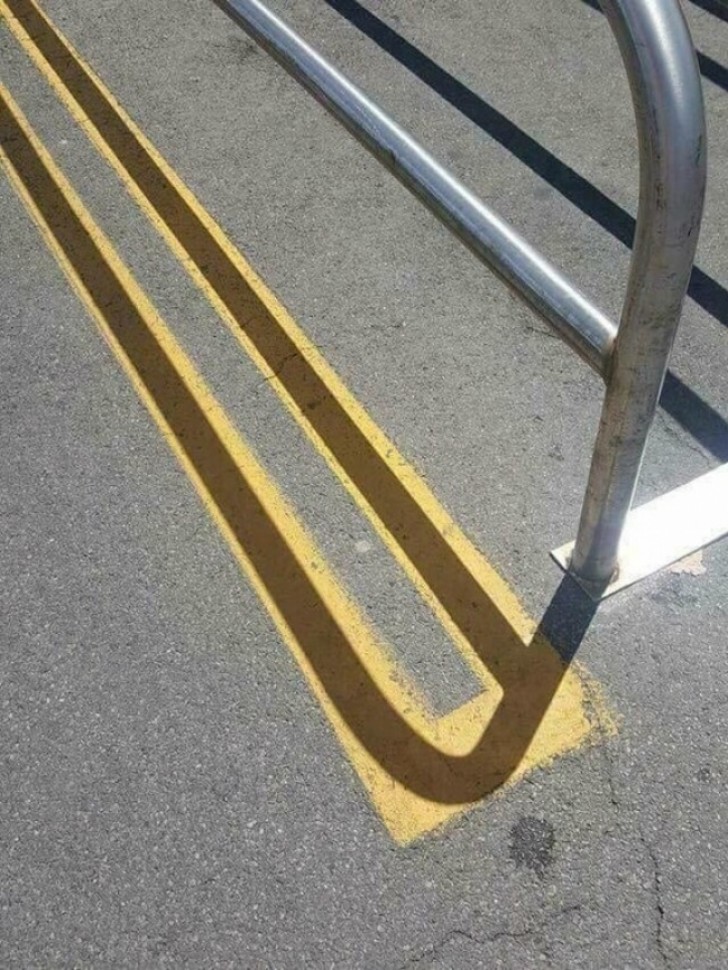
<point x="173" y="793"/>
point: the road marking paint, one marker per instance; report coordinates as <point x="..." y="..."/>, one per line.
<point x="408" y="518"/>
<point x="419" y="771"/>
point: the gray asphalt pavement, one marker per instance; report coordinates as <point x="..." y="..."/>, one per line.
<point x="173" y="793"/>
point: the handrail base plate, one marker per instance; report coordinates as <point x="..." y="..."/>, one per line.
<point x="664" y="531"/>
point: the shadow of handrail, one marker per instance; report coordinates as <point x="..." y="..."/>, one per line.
<point x="715" y="7"/>
<point x="700" y="420"/>
<point x="529" y="674"/>
<point x="710" y="69"/>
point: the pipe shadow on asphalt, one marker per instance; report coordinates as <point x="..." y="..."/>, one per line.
<point x="529" y="674"/>
<point x="709" y="68"/>
<point x="717" y="8"/>
<point x="681" y="402"/>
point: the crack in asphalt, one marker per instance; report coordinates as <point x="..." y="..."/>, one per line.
<point x="484" y="940"/>
<point x="279" y="369"/>
<point x="657" y="892"/>
<point x="651" y="855"/>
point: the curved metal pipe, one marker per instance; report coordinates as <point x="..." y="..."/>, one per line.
<point x="659" y="57"/>
<point x="539" y="284"/>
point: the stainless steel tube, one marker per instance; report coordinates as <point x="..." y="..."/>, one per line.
<point x="585" y="328"/>
<point x="660" y="60"/>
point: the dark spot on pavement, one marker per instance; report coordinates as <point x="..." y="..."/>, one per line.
<point x="532" y="844"/>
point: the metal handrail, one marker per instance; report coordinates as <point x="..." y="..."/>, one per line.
<point x="659" y="57"/>
<point x="585" y="328"/>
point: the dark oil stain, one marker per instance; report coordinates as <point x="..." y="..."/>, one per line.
<point x="532" y="844"/>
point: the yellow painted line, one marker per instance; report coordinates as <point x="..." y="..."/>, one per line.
<point x="408" y="518"/>
<point x="419" y="771"/>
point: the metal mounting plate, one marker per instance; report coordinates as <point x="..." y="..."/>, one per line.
<point x="666" y="529"/>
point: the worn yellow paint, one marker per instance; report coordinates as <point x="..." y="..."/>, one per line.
<point x="426" y="770"/>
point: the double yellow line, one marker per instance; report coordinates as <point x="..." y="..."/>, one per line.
<point x="419" y="770"/>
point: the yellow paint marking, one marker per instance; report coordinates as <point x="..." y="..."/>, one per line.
<point x="402" y="509"/>
<point x="419" y="771"/>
